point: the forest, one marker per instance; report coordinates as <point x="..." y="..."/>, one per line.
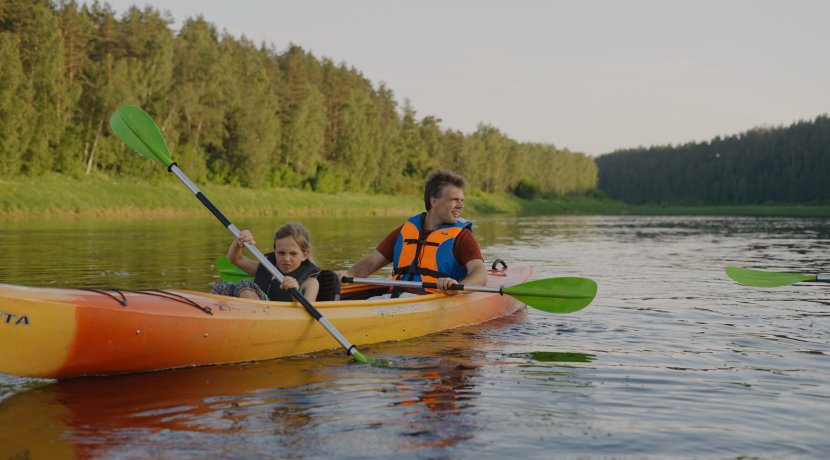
<point x="761" y="165"/>
<point x="231" y="112"/>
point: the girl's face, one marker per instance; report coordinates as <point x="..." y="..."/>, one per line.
<point x="289" y="255"/>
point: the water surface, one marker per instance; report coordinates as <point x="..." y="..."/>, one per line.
<point x="673" y="359"/>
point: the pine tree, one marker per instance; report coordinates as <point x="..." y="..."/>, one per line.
<point x="391" y="161"/>
<point x="305" y="133"/>
<point x="252" y="128"/>
<point x="413" y="144"/>
<point x="359" y="149"/>
<point x="15" y="106"/>
<point x="234" y="113"/>
<point x="200" y="82"/>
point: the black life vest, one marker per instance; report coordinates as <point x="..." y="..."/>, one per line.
<point x="271" y="287"/>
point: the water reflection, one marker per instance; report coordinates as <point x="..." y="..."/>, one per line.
<point x="554" y="357"/>
<point x="291" y="401"/>
<point x="179" y="252"/>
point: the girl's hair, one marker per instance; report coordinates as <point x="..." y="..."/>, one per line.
<point x="300" y="235"/>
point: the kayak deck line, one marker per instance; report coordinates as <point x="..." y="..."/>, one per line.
<point x="155" y="292"/>
<point x="73" y="332"/>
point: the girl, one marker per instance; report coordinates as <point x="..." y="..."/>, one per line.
<point x="293" y="258"/>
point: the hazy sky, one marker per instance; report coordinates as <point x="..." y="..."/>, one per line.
<point x="592" y="76"/>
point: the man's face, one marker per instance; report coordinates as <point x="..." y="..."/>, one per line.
<point x="448" y="206"/>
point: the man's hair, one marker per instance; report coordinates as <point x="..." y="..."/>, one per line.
<point x="437" y="181"/>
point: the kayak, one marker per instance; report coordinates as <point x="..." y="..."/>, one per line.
<point x="66" y="333"/>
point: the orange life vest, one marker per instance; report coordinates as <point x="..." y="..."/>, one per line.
<point x="429" y="259"/>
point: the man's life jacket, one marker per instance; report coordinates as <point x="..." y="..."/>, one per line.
<point x="427" y="260"/>
<point x="271" y="287"/>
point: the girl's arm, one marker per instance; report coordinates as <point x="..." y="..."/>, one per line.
<point x="235" y="253"/>
<point x="310" y="287"/>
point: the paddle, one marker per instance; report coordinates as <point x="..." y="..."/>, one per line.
<point x="553" y="295"/>
<point x="136" y="129"/>
<point x="760" y="278"/>
<point x="230" y="272"/>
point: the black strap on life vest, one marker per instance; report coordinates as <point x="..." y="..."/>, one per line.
<point x="420" y="242"/>
<point x="415" y="261"/>
<point x="412" y="270"/>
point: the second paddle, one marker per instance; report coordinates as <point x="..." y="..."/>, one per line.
<point x="553" y="295"/>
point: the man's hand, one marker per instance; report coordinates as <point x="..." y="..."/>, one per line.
<point x="477" y="275"/>
<point x="444" y="284"/>
<point x="342" y="274"/>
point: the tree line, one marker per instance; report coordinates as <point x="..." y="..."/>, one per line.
<point x="231" y="112"/>
<point x="781" y="164"/>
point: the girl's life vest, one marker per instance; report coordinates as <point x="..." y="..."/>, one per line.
<point x="427" y="260"/>
<point x="271" y="287"/>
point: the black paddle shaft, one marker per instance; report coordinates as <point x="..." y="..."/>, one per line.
<point x="351" y="349"/>
<point x="235" y="231"/>
<point x="417" y="285"/>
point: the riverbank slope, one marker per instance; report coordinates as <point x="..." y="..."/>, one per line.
<point x="60" y="196"/>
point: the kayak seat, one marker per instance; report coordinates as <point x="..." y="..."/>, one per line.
<point x="329" y="286"/>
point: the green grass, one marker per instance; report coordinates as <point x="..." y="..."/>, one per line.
<point x="99" y="195"/>
<point x="510" y="204"/>
<point x="102" y="196"/>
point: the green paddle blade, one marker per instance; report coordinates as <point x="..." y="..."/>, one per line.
<point x="765" y="279"/>
<point x="136" y="129"/>
<point x="555" y="295"/>
<point x="230" y="272"/>
<point x="360" y="358"/>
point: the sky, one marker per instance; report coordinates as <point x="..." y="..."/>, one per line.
<point x="591" y="76"/>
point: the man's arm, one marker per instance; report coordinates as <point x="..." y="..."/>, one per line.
<point x="476" y="275"/>
<point x="370" y="264"/>
<point x="466" y="249"/>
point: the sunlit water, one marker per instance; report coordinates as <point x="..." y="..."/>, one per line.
<point x="672" y="359"/>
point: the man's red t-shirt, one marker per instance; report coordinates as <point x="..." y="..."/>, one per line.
<point x="464" y="249"/>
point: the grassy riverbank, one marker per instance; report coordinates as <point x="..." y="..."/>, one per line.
<point x="59" y="196"/>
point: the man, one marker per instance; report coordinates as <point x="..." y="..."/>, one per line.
<point x="435" y="246"/>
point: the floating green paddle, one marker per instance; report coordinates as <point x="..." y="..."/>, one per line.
<point x="230" y="272"/>
<point x="136" y="129"/>
<point x="553" y="295"/>
<point x="760" y="278"/>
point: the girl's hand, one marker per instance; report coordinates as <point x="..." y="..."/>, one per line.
<point x="245" y="237"/>
<point x="289" y="283"/>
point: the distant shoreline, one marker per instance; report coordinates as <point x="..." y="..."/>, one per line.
<point x="749" y="210"/>
<point x="64" y="197"/>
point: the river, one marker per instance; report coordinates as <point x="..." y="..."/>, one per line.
<point x="672" y="360"/>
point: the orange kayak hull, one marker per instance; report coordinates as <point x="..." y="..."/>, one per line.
<point x="65" y="333"/>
